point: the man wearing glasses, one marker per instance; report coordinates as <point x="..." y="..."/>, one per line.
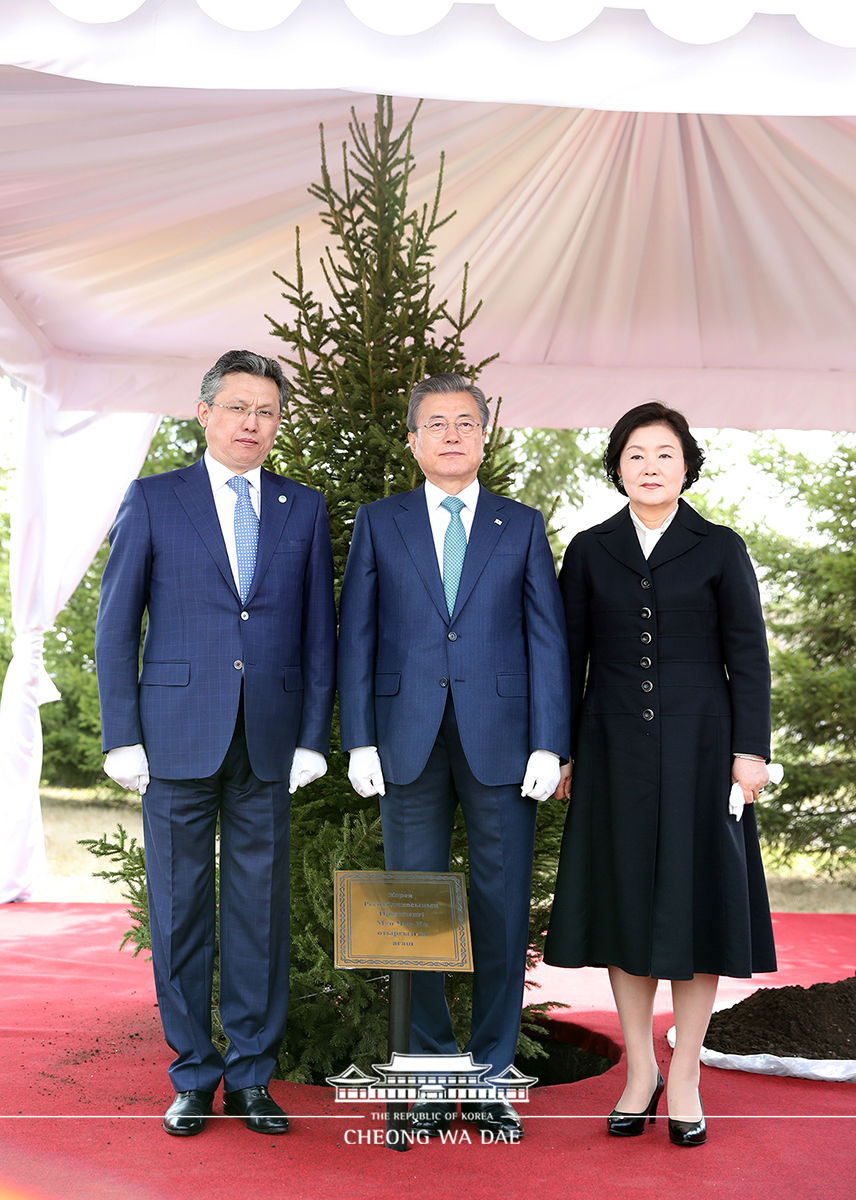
<point x="230" y="714"/>
<point x="453" y="690"/>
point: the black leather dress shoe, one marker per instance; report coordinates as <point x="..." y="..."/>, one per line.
<point x="260" y="1111"/>
<point x="430" y="1117"/>
<point x="497" y="1116"/>
<point x="186" y="1115"/>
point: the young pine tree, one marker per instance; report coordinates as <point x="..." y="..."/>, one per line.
<point x="352" y="362"/>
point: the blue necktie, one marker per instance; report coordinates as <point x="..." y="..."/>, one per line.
<point x="454" y="549"/>
<point x="246" y="534"/>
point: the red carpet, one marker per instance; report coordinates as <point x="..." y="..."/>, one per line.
<point x="83" y="1087"/>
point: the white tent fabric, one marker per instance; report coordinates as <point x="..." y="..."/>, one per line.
<point x="711" y="259"/>
<point x="706" y="259"/>
<point x="719" y="56"/>
<point x="75" y="465"/>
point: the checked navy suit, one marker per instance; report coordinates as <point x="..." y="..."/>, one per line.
<point x="455" y="705"/>
<point x="226" y="692"/>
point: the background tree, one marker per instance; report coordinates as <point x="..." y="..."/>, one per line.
<point x="553" y="471"/>
<point x="811" y="586"/>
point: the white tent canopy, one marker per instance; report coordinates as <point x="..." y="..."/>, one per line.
<point x="711" y="259"/>
<point x="621" y="250"/>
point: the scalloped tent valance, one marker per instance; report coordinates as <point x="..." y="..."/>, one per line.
<point x="700" y="22"/>
<point x="716" y="56"/>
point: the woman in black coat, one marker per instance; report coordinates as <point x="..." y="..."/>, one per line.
<point x="671" y="704"/>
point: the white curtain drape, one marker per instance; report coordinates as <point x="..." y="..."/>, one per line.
<point x="73" y="472"/>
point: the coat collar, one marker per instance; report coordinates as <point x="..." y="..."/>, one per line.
<point x="414" y="525"/>
<point x="618" y="536"/>
<point x="488" y="528"/>
<point x="193" y="489"/>
<point x="413" y="522"/>
<point x="277" y="507"/>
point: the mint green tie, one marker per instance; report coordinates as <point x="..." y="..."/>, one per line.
<point x="454" y="549"/>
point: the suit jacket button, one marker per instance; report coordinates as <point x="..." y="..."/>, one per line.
<point x="237" y="664"/>
<point x="645" y="613"/>
<point x="453" y="637"/>
<point x="646" y="583"/>
<point x="645" y="662"/>
<point x="245" y="616"/>
<point x="444" y="683"/>
<point x="645" y="638"/>
<point x="647" y="685"/>
<point x="647" y="714"/>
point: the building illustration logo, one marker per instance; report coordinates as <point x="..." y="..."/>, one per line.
<point x="431" y="1077"/>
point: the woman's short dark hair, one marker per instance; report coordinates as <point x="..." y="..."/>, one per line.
<point x="652" y="413"/>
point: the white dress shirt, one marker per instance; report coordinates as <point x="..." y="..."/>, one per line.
<point x="440" y="517"/>
<point x="225" y="500"/>
<point x="648" y="538"/>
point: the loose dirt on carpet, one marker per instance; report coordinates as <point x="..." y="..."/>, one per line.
<point x="817" y="1022"/>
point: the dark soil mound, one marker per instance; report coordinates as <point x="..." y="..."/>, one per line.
<point x="789" y="1022"/>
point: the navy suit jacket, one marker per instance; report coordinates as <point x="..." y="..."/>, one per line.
<point x="168" y="558"/>
<point x="502" y="653"/>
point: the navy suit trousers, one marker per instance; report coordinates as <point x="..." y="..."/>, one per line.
<point x="418" y="819"/>
<point x="180" y="826"/>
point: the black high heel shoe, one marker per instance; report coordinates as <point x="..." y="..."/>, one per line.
<point x="688" y="1133"/>
<point x="632" y="1124"/>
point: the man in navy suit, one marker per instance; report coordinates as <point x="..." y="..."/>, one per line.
<point x="231" y="713"/>
<point x="453" y="684"/>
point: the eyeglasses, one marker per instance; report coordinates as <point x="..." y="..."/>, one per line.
<point x="240" y="411"/>
<point x="465" y="427"/>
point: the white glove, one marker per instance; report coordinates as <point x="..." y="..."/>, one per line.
<point x="543" y="772"/>
<point x="306" y="767"/>
<point x="129" y="767"/>
<point x="736" y="799"/>
<point x="365" y="773"/>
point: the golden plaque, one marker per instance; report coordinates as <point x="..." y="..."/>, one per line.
<point x="405" y="920"/>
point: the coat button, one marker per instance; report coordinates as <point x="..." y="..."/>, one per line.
<point x="645" y="613"/>
<point x="453" y="637"/>
<point x="444" y="683"/>
<point x="245" y="616"/>
<point x="646" y="583"/>
<point x="647" y="685"/>
<point x="237" y="664"/>
<point x="644" y="662"/>
<point x="647" y="714"/>
<point x="645" y="638"/>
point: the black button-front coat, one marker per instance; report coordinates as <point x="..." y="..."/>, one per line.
<point x="669" y="675"/>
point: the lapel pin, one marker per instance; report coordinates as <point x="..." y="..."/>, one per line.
<point x="497" y="521"/>
<point x="282" y="499"/>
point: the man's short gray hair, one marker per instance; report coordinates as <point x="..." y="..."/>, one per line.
<point x="242" y="362"/>
<point x="444" y="385"/>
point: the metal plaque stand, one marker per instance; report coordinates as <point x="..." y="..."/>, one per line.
<point x="400" y="922"/>
<point x="399" y="1040"/>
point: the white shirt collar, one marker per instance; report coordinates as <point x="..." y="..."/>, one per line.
<point x="648" y="538"/>
<point x="434" y="496"/>
<point x="220" y="474"/>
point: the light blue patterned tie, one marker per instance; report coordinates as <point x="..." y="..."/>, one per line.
<point x="454" y="549"/>
<point x="246" y="534"/>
